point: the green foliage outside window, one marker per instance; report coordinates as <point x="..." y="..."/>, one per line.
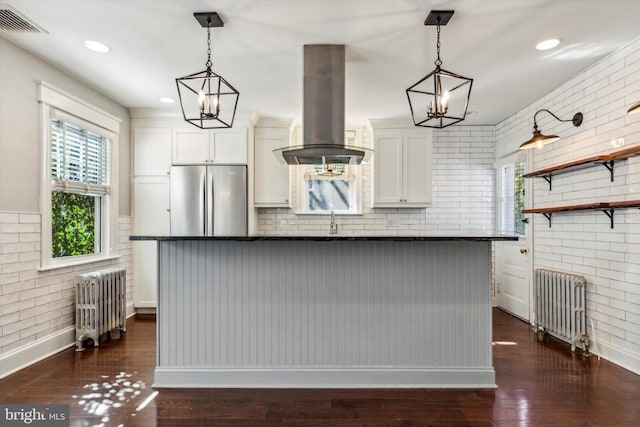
<point x="73" y="224"/>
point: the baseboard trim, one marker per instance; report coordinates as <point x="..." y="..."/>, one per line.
<point x="324" y="378"/>
<point x="145" y="310"/>
<point x="618" y="356"/>
<point x="22" y="357"/>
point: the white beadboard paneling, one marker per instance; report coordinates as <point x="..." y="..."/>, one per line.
<point x="337" y="305"/>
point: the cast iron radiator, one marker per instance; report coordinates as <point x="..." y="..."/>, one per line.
<point x="561" y="307"/>
<point x="100" y="305"/>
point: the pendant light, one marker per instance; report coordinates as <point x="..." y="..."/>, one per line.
<point x="207" y="99"/>
<point x="538" y="140"/>
<point x="440" y="98"/>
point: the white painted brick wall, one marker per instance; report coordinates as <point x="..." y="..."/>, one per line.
<point x="463" y="201"/>
<point x="583" y="242"/>
<point x="34" y="304"/>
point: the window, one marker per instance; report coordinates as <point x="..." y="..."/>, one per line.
<point x="330" y="188"/>
<point x="326" y="188"/>
<point x="79" y="209"/>
<point x="80" y="184"/>
<point x="511" y="181"/>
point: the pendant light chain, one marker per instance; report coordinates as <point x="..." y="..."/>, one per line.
<point x="438" y="62"/>
<point x="209" y="63"/>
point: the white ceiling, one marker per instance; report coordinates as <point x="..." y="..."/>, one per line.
<point x="259" y="50"/>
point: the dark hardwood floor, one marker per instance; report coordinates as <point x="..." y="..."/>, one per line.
<point x="539" y="384"/>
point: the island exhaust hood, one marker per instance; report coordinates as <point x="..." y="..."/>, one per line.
<point x="323" y="115"/>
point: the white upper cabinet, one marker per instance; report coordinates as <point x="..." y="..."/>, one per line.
<point x="196" y="146"/>
<point x="151" y="151"/>
<point x="271" y="176"/>
<point x="402" y="168"/>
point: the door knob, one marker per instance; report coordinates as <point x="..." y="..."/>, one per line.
<point x="523" y="250"/>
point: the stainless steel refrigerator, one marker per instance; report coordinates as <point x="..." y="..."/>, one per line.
<point x="209" y="200"/>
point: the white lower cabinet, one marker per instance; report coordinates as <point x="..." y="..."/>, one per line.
<point x="271" y="177"/>
<point x="402" y="168"/>
<point x="151" y="210"/>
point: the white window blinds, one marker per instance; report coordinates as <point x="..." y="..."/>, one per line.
<point x="80" y="159"/>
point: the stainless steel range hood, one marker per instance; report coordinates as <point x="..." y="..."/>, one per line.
<point x="323" y="112"/>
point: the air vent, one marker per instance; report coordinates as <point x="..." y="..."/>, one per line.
<point x="13" y="21"/>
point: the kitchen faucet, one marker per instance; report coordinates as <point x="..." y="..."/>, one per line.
<point x="333" y="226"/>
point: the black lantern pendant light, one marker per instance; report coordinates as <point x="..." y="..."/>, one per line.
<point x="439" y="99"/>
<point x="208" y="101"/>
<point x="539" y="140"/>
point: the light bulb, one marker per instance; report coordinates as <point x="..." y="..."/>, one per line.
<point x="539" y="144"/>
<point x="201" y="100"/>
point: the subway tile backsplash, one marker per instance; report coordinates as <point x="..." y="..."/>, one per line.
<point x="463" y="200"/>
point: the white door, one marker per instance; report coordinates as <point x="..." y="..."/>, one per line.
<point x="513" y="287"/>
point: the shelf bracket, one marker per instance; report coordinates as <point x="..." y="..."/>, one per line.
<point x="610" y="213"/>
<point x="609" y="165"/>
<point x="548" y="216"/>
<point x="548" y="179"/>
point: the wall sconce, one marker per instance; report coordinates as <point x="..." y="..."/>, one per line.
<point x="440" y="98"/>
<point x="207" y="100"/>
<point x="634" y="109"/>
<point x="538" y="140"/>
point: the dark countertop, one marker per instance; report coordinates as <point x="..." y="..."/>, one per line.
<point x="327" y="238"/>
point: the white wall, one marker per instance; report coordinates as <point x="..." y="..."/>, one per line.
<point x="462" y="204"/>
<point x="20" y="142"/>
<point x="37" y="307"/>
<point x="583" y="242"/>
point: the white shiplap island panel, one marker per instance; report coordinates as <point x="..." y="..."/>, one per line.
<point x="335" y="313"/>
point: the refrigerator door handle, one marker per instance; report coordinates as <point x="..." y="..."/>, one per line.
<point x="208" y="212"/>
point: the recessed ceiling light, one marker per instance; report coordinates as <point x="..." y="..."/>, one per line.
<point x="548" y="44"/>
<point x="168" y="100"/>
<point x="96" y="46"/>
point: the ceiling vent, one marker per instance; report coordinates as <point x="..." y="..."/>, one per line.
<point x="13" y="21"/>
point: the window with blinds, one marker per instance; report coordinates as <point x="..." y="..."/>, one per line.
<point x="80" y="171"/>
<point x="512" y="199"/>
<point x="79" y="159"/>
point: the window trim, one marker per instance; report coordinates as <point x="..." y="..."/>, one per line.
<point x="52" y="99"/>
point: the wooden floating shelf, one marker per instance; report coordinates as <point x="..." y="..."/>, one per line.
<point x="607" y="160"/>
<point x="607" y="207"/>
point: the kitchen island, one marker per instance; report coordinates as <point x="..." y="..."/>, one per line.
<point x="324" y="311"/>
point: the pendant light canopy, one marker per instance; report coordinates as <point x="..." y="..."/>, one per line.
<point x="207" y="99"/>
<point x="440" y="98"/>
<point x="538" y="140"/>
